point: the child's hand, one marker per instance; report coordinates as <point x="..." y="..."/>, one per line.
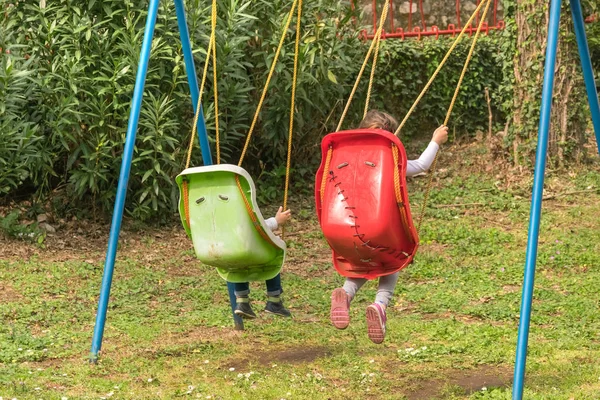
<point x="440" y="136"/>
<point x="282" y="217"/>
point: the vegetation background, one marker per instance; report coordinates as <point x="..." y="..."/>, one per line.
<point x="67" y="70"/>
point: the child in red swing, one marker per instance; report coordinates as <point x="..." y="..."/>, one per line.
<point x="341" y="297"/>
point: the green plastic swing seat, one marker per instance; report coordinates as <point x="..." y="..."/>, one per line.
<point x="222" y="206"/>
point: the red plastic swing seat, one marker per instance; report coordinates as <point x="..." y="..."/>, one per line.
<point x="362" y="204"/>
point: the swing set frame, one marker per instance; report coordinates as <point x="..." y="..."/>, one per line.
<point x="537" y="192"/>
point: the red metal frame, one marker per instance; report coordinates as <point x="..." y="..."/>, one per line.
<point x="422" y="31"/>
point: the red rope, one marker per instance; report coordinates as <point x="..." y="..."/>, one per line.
<point x="422" y="15"/>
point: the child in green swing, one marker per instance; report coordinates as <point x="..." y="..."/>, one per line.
<point x="341" y="297"/>
<point x="274" y="290"/>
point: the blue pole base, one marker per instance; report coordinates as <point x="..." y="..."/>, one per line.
<point x="238" y="322"/>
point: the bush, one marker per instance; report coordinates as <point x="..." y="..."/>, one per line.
<point x="68" y="80"/>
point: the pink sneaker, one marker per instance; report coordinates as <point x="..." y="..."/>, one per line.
<point x="376" y="323"/>
<point x="340" y="305"/>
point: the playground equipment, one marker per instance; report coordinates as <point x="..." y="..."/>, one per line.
<point x="540" y="164"/>
<point x="540" y="167"/>
<point x="422" y="30"/>
<point x="218" y="203"/>
<point x="360" y="189"/>
<point x="202" y="184"/>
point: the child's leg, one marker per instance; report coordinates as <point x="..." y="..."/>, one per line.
<point x="385" y="291"/>
<point x="376" y="317"/>
<point x="242" y="289"/>
<point x="274" y="303"/>
<point x="339" y="312"/>
<point x="353" y="285"/>
<point x="274" y="286"/>
<point x="242" y="307"/>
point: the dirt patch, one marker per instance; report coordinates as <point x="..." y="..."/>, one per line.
<point x="467" y="382"/>
<point x="8" y="294"/>
<point x="294" y="355"/>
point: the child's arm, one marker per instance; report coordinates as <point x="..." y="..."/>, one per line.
<point x="281" y="218"/>
<point x="414" y="167"/>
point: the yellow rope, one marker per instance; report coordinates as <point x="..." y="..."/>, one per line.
<point x="456" y="91"/>
<point x="292" y="106"/>
<point x="250" y="212"/>
<point x="215" y="83"/>
<point x="325" y="173"/>
<point x="375" y="56"/>
<point x="467" y="24"/>
<point x="398" y="191"/>
<point x="271" y="71"/>
<point x="211" y="44"/>
<point x="364" y="65"/>
<point x="466" y="66"/>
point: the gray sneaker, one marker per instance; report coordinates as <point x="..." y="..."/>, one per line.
<point x="277" y="308"/>
<point x="244" y="310"/>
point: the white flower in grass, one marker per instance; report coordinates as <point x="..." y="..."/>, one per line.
<point x="232" y="369"/>
<point x="206" y="362"/>
<point x="150" y="380"/>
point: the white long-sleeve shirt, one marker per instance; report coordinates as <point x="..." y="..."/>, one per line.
<point x="422" y="164"/>
<point x="272" y="223"/>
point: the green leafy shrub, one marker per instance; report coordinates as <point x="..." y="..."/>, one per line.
<point x="72" y="71"/>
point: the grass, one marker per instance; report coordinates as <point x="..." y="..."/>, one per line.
<point x="451" y="330"/>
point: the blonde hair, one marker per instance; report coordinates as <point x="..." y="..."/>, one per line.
<point x="379" y="120"/>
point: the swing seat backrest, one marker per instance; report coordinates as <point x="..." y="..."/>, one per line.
<point x="362" y="203"/>
<point x="219" y="213"/>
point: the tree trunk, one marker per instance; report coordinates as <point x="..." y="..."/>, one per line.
<point x="567" y="132"/>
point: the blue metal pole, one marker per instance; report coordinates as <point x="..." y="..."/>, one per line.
<point x="238" y="322"/>
<point x="115" y="228"/>
<point x="190" y="69"/>
<point x="586" y="65"/>
<point x="536" y="200"/>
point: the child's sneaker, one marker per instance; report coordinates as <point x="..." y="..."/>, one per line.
<point x="340" y="306"/>
<point x="277" y="308"/>
<point x="376" y="323"/>
<point x="243" y="308"/>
